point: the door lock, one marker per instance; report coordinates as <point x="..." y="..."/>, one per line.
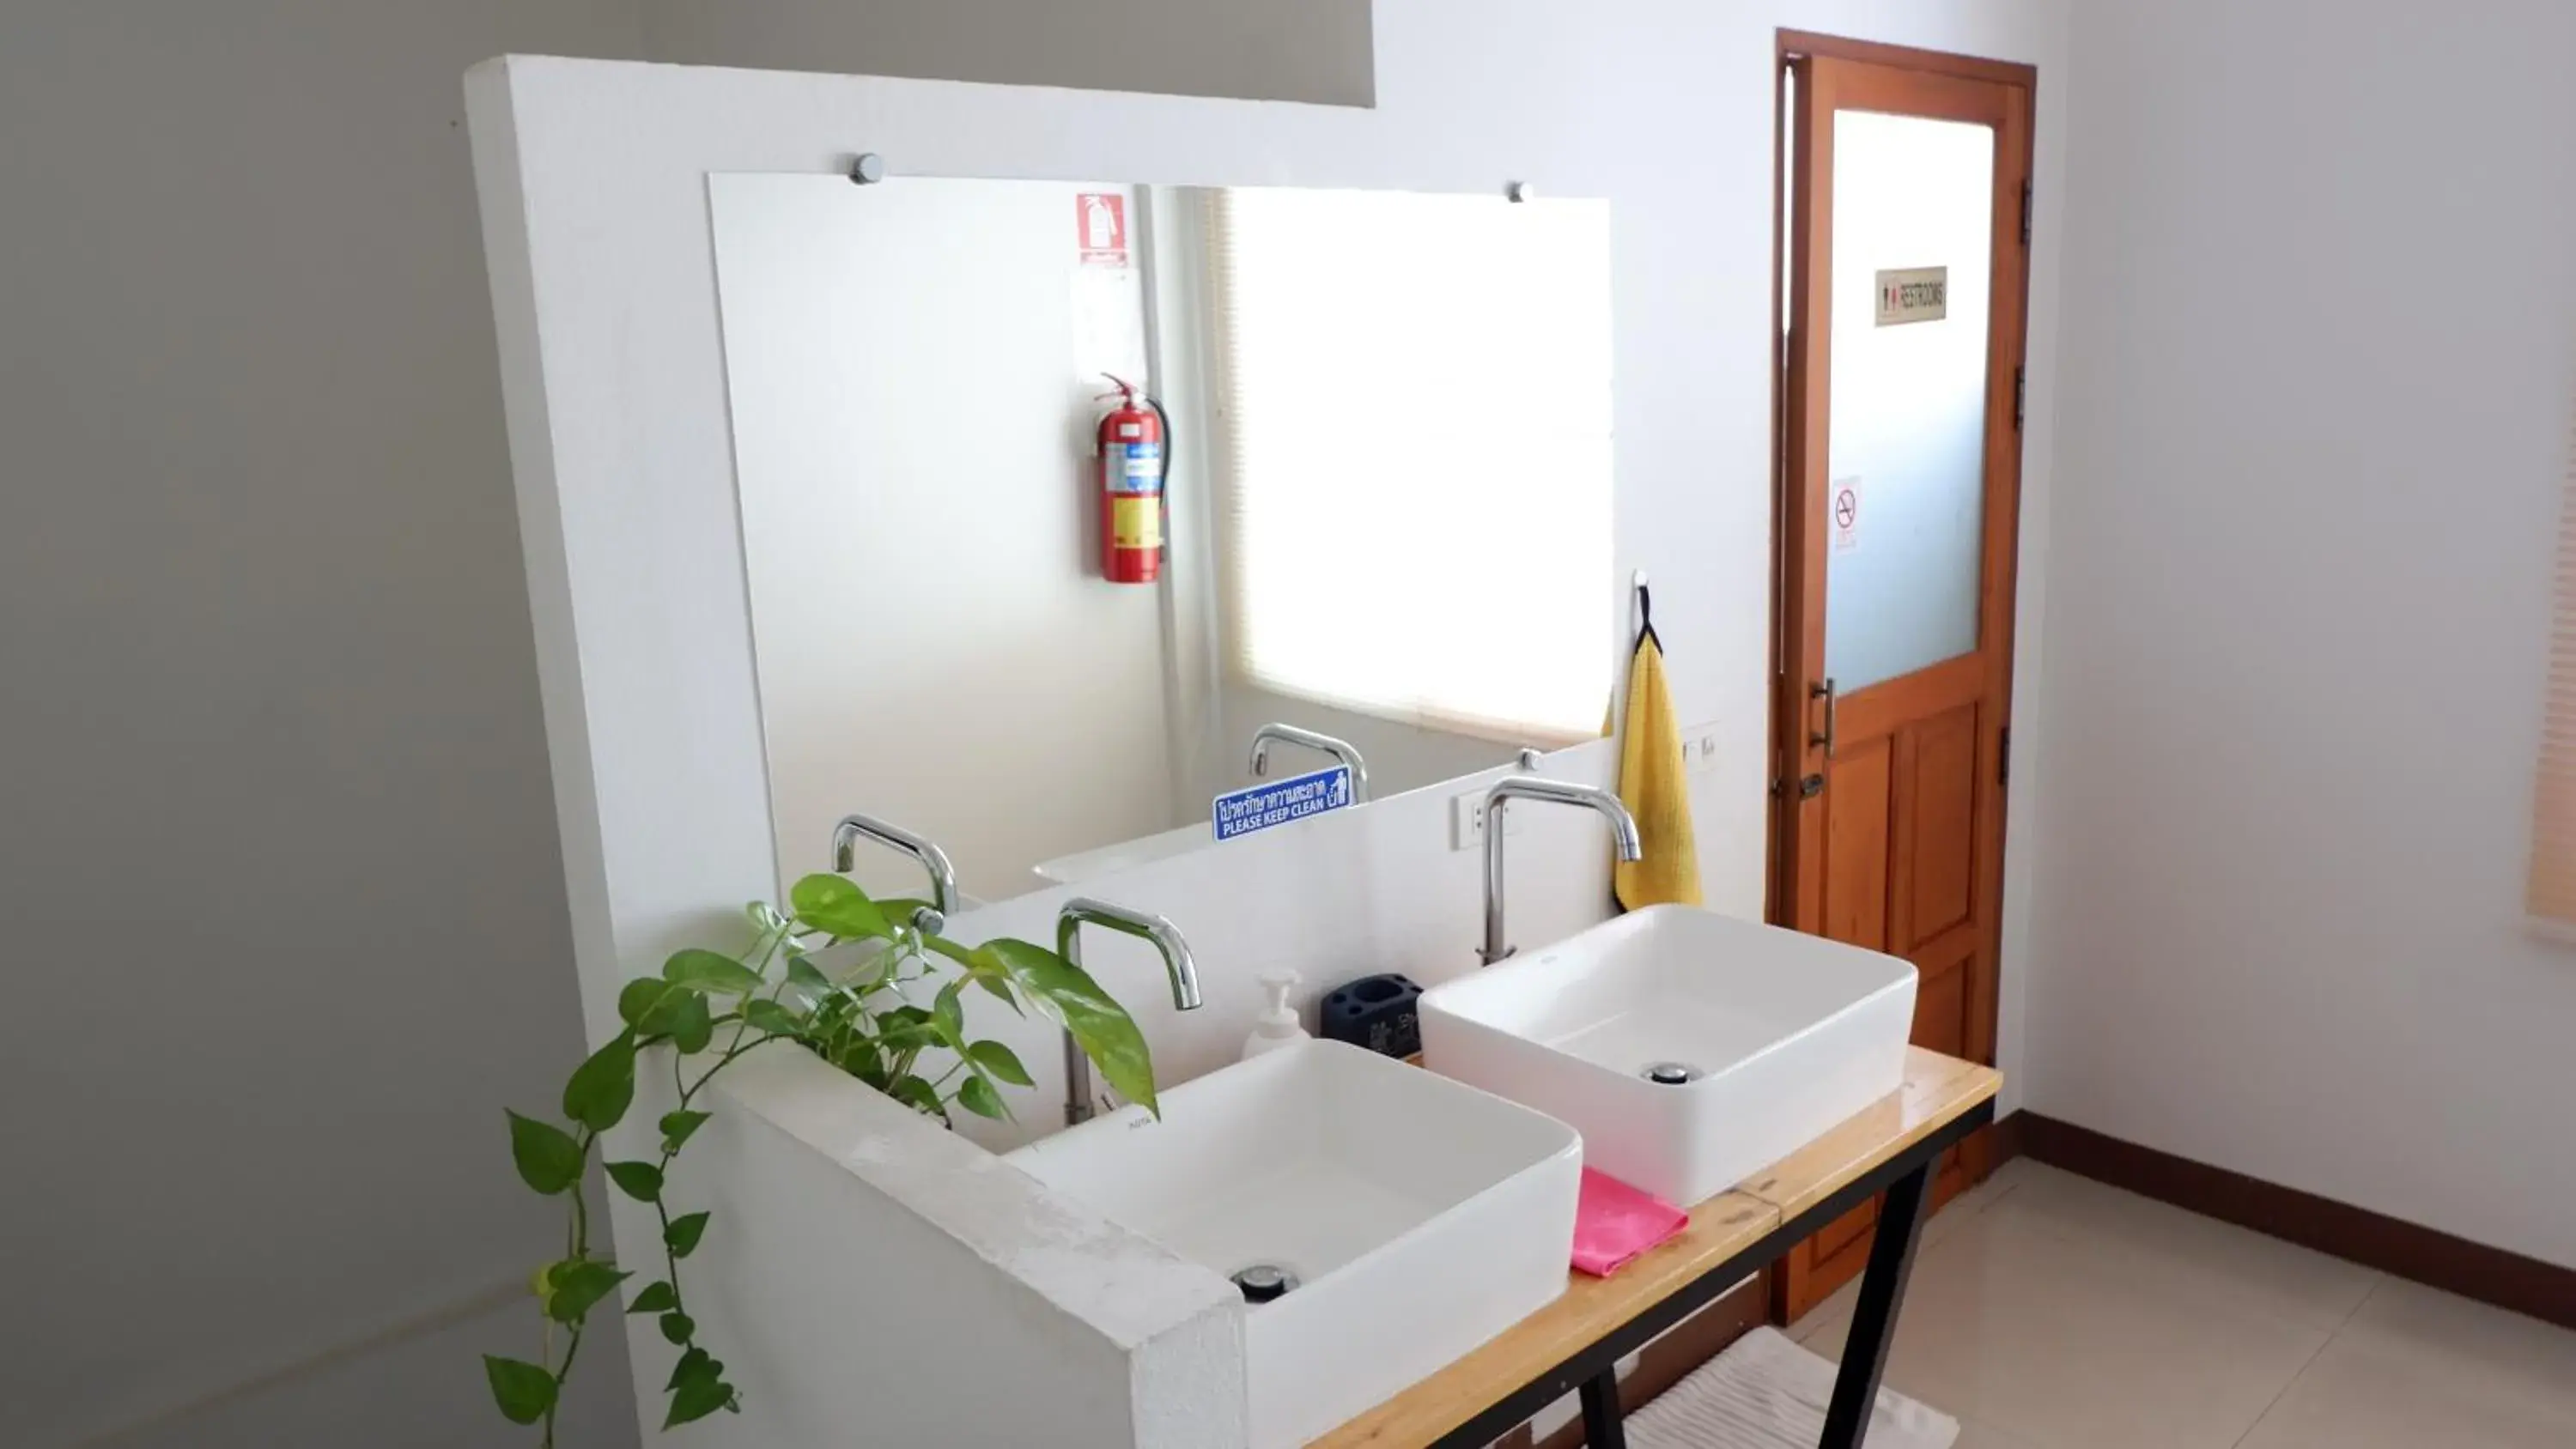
<point x="1811" y="787"/>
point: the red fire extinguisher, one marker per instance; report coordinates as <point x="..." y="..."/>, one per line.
<point x="1135" y="461"/>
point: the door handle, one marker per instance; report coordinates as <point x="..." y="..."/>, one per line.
<point x="1825" y="692"/>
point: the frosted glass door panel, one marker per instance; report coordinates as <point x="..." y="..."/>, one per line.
<point x="1906" y="477"/>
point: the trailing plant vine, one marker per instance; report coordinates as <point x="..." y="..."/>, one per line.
<point x="869" y="1023"/>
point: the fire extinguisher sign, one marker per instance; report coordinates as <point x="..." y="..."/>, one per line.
<point x="1100" y="228"/>
<point x="1242" y="812"/>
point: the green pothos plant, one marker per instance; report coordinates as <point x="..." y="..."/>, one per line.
<point x="708" y="1010"/>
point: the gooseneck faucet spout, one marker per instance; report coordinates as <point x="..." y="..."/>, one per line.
<point x="943" y="876"/>
<point x="1342" y="750"/>
<point x="1166" y="939"/>
<point x="1623" y="831"/>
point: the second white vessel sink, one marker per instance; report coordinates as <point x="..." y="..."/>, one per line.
<point x="1409" y="1217"/>
<point x="1690" y="1049"/>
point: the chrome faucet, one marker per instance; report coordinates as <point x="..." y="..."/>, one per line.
<point x="1166" y="937"/>
<point x="1342" y="750"/>
<point x="1623" y="830"/>
<point x="930" y="919"/>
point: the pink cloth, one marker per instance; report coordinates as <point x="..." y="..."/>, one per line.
<point x="1614" y="1222"/>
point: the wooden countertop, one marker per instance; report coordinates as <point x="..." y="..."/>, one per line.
<point x="1938" y="1090"/>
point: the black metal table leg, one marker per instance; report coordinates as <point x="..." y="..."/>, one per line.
<point x="1903" y="1176"/>
<point x="1601" y="1426"/>
<point x="1882" y="1294"/>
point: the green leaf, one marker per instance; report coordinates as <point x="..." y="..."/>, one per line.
<point x="1001" y="1061"/>
<point x="665" y="1011"/>
<point x="802" y="971"/>
<point x="977" y="1096"/>
<point x="641" y="1181"/>
<point x="836" y="905"/>
<point x="859" y="1058"/>
<point x="578" y="1284"/>
<point x="549" y="1159"/>
<point x="905" y="1028"/>
<point x="997" y="984"/>
<point x="920" y="1095"/>
<point x="947" y="1017"/>
<point x="900" y="910"/>
<point x="712" y="972"/>
<point x="679" y="1127"/>
<point x="639" y="998"/>
<point x="769" y="1016"/>
<point x="656" y="1298"/>
<point x="764" y="917"/>
<point x="678" y="1327"/>
<point x="694" y="1364"/>
<point x="1066" y="995"/>
<point x="683" y="1017"/>
<point x="683" y="1234"/>
<point x="523" y="1390"/>
<point x="696" y="1398"/>
<point x="602" y="1087"/>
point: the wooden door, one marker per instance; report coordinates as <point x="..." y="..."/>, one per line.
<point x="1898" y="505"/>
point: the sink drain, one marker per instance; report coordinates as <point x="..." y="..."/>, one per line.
<point x="1263" y="1282"/>
<point x="1670" y="1074"/>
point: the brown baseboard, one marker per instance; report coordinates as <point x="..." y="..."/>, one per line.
<point x="2003" y="1141"/>
<point x="2407" y="1250"/>
<point x="1669" y="1359"/>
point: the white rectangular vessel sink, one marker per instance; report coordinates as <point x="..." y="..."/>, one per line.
<point x="1690" y="1049"/>
<point x="1415" y="1216"/>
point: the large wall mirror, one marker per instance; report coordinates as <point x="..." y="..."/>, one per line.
<point x="1379" y="511"/>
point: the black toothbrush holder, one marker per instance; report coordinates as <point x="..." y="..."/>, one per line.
<point x="1376" y="1012"/>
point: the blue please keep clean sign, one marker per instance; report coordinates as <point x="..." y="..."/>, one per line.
<point x="1263" y="806"/>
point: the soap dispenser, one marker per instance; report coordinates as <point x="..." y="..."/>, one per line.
<point x="1278" y="1026"/>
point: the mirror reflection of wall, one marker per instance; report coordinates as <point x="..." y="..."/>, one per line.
<point x="1385" y="516"/>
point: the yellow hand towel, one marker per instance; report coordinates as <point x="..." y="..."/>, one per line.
<point x="1655" y="790"/>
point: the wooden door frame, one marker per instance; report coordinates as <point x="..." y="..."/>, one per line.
<point x="1788" y="717"/>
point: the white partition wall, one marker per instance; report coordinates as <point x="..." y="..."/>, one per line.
<point x="594" y="185"/>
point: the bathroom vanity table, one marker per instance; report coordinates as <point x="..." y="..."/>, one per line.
<point x="1575" y="1344"/>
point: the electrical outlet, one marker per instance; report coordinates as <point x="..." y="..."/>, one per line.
<point x="1467" y="821"/>
<point x="1699" y="748"/>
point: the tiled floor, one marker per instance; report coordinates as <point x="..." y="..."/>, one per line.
<point x="2050" y="1312"/>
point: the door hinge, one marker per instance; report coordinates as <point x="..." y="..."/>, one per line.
<point x="2003" y="758"/>
<point x="2021" y="393"/>
<point x="2025" y="213"/>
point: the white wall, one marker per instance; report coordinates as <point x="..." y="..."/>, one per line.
<point x="1313" y="50"/>
<point x="284" y="902"/>
<point x="2320" y="342"/>
<point x="618" y="421"/>
<point x="415" y="1388"/>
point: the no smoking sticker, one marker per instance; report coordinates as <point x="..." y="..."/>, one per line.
<point x="1845" y="506"/>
